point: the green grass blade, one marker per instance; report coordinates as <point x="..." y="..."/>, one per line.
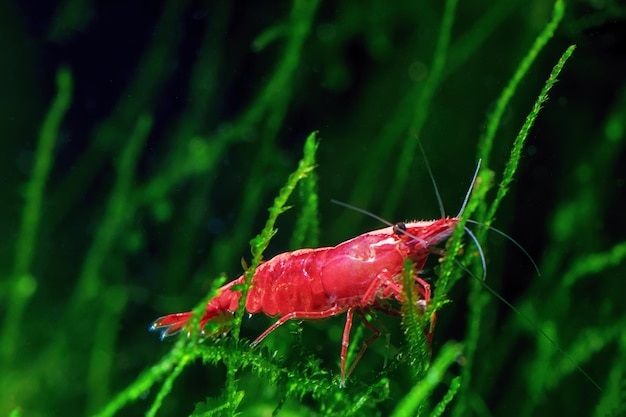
<point x="24" y="284"/>
<point x="409" y="147"/>
<point x="440" y="408"/>
<point x="258" y="246"/>
<point x="408" y="406"/>
<point x="485" y="144"/>
<point x="518" y="144"/>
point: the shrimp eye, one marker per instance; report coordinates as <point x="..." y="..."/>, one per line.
<point x="399" y="228"/>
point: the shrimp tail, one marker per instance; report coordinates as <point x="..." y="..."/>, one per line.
<point x="171" y="324"/>
<point x="217" y="317"/>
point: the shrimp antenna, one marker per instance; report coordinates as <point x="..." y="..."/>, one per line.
<point x="469" y="191"/>
<point x="432" y="179"/>
<point x="520" y="247"/>
<point x="534" y="325"/>
<point x="380" y="219"/>
<point x="362" y="211"/>
<point x="480" y="251"/>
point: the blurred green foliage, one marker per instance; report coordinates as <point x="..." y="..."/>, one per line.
<point x="143" y="142"/>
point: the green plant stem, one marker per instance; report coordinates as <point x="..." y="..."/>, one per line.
<point x="485" y="144"/>
<point x="467" y="44"/>
<point x="520" y="140"/>
<point x="477" y="295"/>
<point x="583" y="198"/>
<point x="202" y="156"/>
<point x="460" y="50"/>
<point x="409" y="405"/>
<point x="449" y="271"/>
<point x="306" y="231"/>
<point x="455" y="384"/>
<point x="188" y="348"/>
<point x="102" y="358"/>
<point x="169" y="383"/>
<point x="265" y="116"/>
<point x="262" y="240"/>
<point x="24" y="283"/>
<point x="17" y="412"/>
<point x="114" y="218"/>
<point x="71" y="16"/>
<point x="414" y="321"/>
<point x="137" y="99"/>
<point x="91" y="288"/>
<point x="260" y="243"/>
<point x="406" y="157"/>
<point x="613" y="402"/>
<point x="146" y="380"/>
<point x="594" y="264"/>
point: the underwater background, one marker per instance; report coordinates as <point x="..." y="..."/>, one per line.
<point x="142" y="143"/>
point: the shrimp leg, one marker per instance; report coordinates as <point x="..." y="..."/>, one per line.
<point x="299" y="315"/>
<point x="316" y="315"/>
<point x="368" y="342"/>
